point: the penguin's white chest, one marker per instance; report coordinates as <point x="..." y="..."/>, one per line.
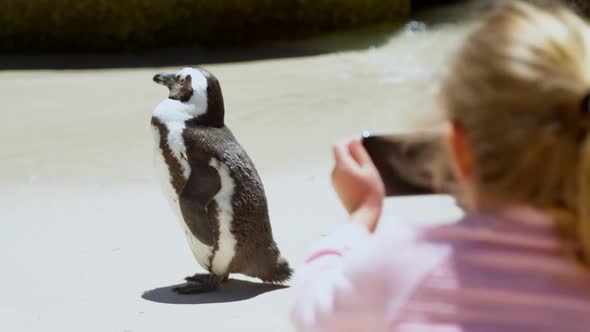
<point x="217" y="260"/>
<point x="227" y="242"/>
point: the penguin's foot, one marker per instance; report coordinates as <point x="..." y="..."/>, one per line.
<point x="204" y="277"/>
<point x="195" y="288"/>
<point x="199" y="278"/>
<point x="199" y="283"/>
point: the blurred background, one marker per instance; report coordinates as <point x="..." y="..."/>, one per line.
<point x="88" y="242"/>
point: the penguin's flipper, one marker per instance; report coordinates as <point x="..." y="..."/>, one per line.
<point x="198" y="192"/>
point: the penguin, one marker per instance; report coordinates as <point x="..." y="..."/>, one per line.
<point x="212" y="185"/>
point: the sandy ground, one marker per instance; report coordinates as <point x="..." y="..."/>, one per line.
<point x="87" y="241"/>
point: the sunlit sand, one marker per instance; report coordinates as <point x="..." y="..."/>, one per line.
<point x="85" y="230"/>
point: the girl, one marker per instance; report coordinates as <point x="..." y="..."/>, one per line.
<point x="517" y="97"/>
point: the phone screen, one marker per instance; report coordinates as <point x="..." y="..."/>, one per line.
<point x="410" y="163"/>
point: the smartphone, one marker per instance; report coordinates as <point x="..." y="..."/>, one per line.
<point x="410" y="163"/>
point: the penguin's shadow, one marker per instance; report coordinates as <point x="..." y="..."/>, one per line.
<point x="233" y="290"/>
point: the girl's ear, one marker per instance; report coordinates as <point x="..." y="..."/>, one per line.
<point x="461" y="153"/>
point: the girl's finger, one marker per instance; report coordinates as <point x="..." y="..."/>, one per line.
<point x="342" y="155"/>
<point x="359" y="153"/>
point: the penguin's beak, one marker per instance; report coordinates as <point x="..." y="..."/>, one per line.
<point x="166" y="79"/>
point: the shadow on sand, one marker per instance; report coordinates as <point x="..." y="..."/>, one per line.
<point x="231" y="291"/>
<point x="174" y="57"/>
<point x="348" y="40"/>
<point x="156" y="58"/>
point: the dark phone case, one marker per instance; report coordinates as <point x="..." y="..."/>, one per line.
<point x="410" y="164"/>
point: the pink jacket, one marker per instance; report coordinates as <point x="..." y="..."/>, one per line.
<point x="488" y="273"/>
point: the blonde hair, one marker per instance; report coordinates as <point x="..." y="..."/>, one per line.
<point x="517" y="87"/>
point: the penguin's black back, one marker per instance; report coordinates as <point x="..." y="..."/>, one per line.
<point x="256" y="252"/>
<point x="220" y="143"/>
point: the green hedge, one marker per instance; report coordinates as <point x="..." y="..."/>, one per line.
<point x="115" y="25"/>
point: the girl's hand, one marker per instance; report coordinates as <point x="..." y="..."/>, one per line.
<point x="358" y="184"/>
